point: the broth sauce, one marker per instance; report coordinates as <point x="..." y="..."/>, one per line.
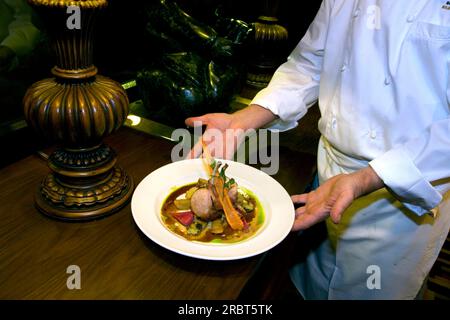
<point x="202" y="231"/>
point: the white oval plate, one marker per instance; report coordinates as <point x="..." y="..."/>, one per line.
<point x="153" y="189"/>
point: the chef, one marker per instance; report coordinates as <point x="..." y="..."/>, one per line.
<point x="380" y="72"/>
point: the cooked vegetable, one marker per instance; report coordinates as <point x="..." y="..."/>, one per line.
<point x="233" y="192"/>
<point x="182" y="204"/>
<point x="217" y="226"/>
<point x="190" y="192"/>
<point x="243" y="201"/>
<point x="197" y="228"/>
<point x="202" y="183"/>
<point x="190" y="226"/>
<point x="185" y="217"/>
<point x="231" y="214"/>
<point x="216" y="209"/>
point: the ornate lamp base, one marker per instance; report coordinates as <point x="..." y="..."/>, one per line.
<point x="84" y="184"/>
<point x="77" y="109"/>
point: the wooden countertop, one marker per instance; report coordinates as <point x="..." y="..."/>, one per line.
<point x="116" y="260"/>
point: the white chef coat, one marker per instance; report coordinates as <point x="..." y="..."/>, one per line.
<point x="380" y="70"/>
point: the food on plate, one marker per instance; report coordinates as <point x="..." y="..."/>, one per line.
<point x="213" y="210"/>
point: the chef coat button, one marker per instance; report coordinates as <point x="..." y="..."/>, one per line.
<point x="411" y="18"/>
<point x="373" y="134"/>
<point x="333" y="123"/>
<point x="387" y="80"/>
<point x="356" y="13"/>
<point x="344" y="67"/>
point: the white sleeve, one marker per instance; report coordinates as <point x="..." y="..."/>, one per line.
<point x="418" y="171"/>
<point x="295" y="85"/>
<point x="22" y="33"/>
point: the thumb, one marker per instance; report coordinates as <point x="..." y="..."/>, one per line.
<point x="197" y="121"/>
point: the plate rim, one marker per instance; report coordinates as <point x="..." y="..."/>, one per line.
<point x="143" y="228"/>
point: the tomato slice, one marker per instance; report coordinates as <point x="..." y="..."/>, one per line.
<point x="184" y="217"/>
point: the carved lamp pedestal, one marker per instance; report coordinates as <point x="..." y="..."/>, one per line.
<point x="77" y="109"/>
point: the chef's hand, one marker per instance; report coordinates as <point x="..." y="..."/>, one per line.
<point x="224" y="132"/>
<point x="333" y="197"/>
<point x="219" y="143"/>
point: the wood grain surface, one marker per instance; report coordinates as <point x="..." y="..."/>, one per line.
<point x="116" y="260"/>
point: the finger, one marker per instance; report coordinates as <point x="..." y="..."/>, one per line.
<point x="196" y="151"/>
<point x="197" y="121"/>
<point x="228" y="154"/>
<point x="299" y="198"/>
<point x="342" y="203"/>
<point x="299" y="211"/>
<point x="304" y="221"/>
<point x="214" y="139"/>
<point x="232" y="140"/>
<point x="307" y="217"/>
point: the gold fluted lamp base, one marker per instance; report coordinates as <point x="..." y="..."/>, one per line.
<point x="84" y="212"/>
<point x="76" y="110"/>
<point x="84" y="184"/>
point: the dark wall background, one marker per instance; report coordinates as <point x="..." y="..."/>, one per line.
<point x="123" y="46"/>
<point x="294" y="15"/>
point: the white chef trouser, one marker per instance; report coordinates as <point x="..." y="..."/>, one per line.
<point x="379" y="250"/>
